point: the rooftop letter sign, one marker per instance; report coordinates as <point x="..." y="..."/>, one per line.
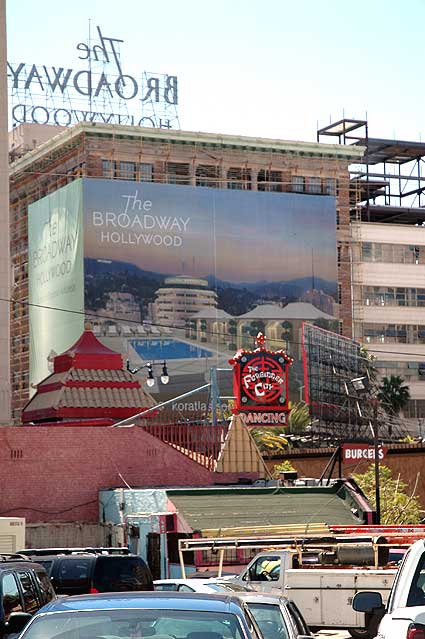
<point x="102" y="91"/>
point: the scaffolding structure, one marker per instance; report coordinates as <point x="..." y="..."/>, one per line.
<point x="332" y="365"/>
<point x="389" y="184"/>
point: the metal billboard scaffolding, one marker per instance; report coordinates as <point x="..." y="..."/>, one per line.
<point x="340" y="412"/>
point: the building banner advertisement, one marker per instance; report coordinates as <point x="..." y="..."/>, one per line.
<point x="189" y="275"/>
<point x="56" y="280"/>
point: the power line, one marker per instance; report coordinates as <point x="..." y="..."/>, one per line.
<point x="125" y="320"/>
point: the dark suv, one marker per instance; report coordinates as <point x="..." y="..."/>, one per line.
<point x="76" y="571"/>
<point x="24" y="588"/>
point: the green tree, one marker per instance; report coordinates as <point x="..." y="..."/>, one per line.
<point x="393" y="394"/>
<point x="284" y="466"/>
<point x="270" y="440"/>
<point x="397" y="506"/>
<point x="299" y="417"/>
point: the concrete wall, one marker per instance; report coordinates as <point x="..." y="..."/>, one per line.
<point x="73" y="535"/>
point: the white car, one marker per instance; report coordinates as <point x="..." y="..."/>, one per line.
<point x="196" y="585"/>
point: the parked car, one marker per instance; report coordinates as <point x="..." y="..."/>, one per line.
<point x="196" y="585"/>
<point x="166" y="615"/>
<point x="277" y="617"/>
<point x="81" y="571"/>
<point x="24" y="589"/>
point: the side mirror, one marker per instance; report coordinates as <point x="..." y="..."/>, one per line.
<point x="367" y="601"/>
<point x="16" y="622"/>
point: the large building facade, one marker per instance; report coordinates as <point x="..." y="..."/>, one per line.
<point x="126" y="153"/>
<point x="387" y="256"/>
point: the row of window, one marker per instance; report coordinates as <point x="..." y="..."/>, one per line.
<point x="209" y="175"/>
<point x="394" y="333"/>
<point x="20" y="342"/>
<point x="393" y="253"/>
<point x="392" y="296"/>
<point x="21" y="377"/>
<point x="20" y="309"/>
<point x="409" y="371"/>
<point x="20" y="272"/>
<point x="415" y="408"/>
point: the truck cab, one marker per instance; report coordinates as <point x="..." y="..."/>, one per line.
<point x="266" y="571"/>
<point x="404" y="615"/>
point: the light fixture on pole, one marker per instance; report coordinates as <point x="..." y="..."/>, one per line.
<point x="165" y="378"/>
<point x="150" y="381"/>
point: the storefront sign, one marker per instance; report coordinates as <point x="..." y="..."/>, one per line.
<point x="266" y="419"/>
<point x="102" y="92"/>
<point x="260" y="383"/>
<point x="361" y="452"/>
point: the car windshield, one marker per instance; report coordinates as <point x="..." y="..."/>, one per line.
<point x="135" y="624"/>
<point x="270" y="620"/>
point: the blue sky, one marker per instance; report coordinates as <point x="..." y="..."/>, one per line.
<point x="272" y="69"/>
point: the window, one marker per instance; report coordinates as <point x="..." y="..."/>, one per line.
<point x="393" y="253"/>
<point x="108" y="168"/>
<point x="270" y="620"/>
<point x="415" y="408"/>
<point x="193" y="624"/>
<point x="416" y="595"/>
<point x="11" y="598"/>
<point x="269" y="181"/>
<point x="177" y="173"/>
<point x="31" y="603"/>
<point x="266" y="568"/>
<point x="146" y="172"/>
<point x="314" y="185"/>
<point x="128" y="170"/>
<point x="74" y="573"/>
<point x="45" y="586"/>
<point x="184" y="588"/>
<point x="390" y="296"/>
<point x="207" y="175"/>
<point x="239" y="179"/>
<point x="119" y="571"/>
<point x="298" y="184"/>
<point x="166" y="587"/>
<point x="329" y="187"/>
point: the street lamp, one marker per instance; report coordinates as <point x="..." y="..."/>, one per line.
<point x="362" y="385"/>
<point x="150" y="381"/>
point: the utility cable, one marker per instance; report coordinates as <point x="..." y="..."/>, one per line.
<point x="89" y="314"/>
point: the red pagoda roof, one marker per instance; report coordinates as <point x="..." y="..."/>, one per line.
<point x="88" y="352"/>
<point x="89" y="382"/>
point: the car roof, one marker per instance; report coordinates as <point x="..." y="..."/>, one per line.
<point x="146" y="600"/>
<point x="19" y="563"/>
<point x="212" y="580"/>
<point x="259" y="597"/>
<point x="81" y="555"/>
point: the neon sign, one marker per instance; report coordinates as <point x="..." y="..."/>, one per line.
<point x="260" y="384"/>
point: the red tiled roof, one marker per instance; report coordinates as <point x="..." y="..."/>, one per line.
<point x="88" y="352"/>
<point x="83" y="386"/>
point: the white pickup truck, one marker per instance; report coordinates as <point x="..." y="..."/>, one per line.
<point x="404" y="615"/>
<point x="324" y="595"/>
